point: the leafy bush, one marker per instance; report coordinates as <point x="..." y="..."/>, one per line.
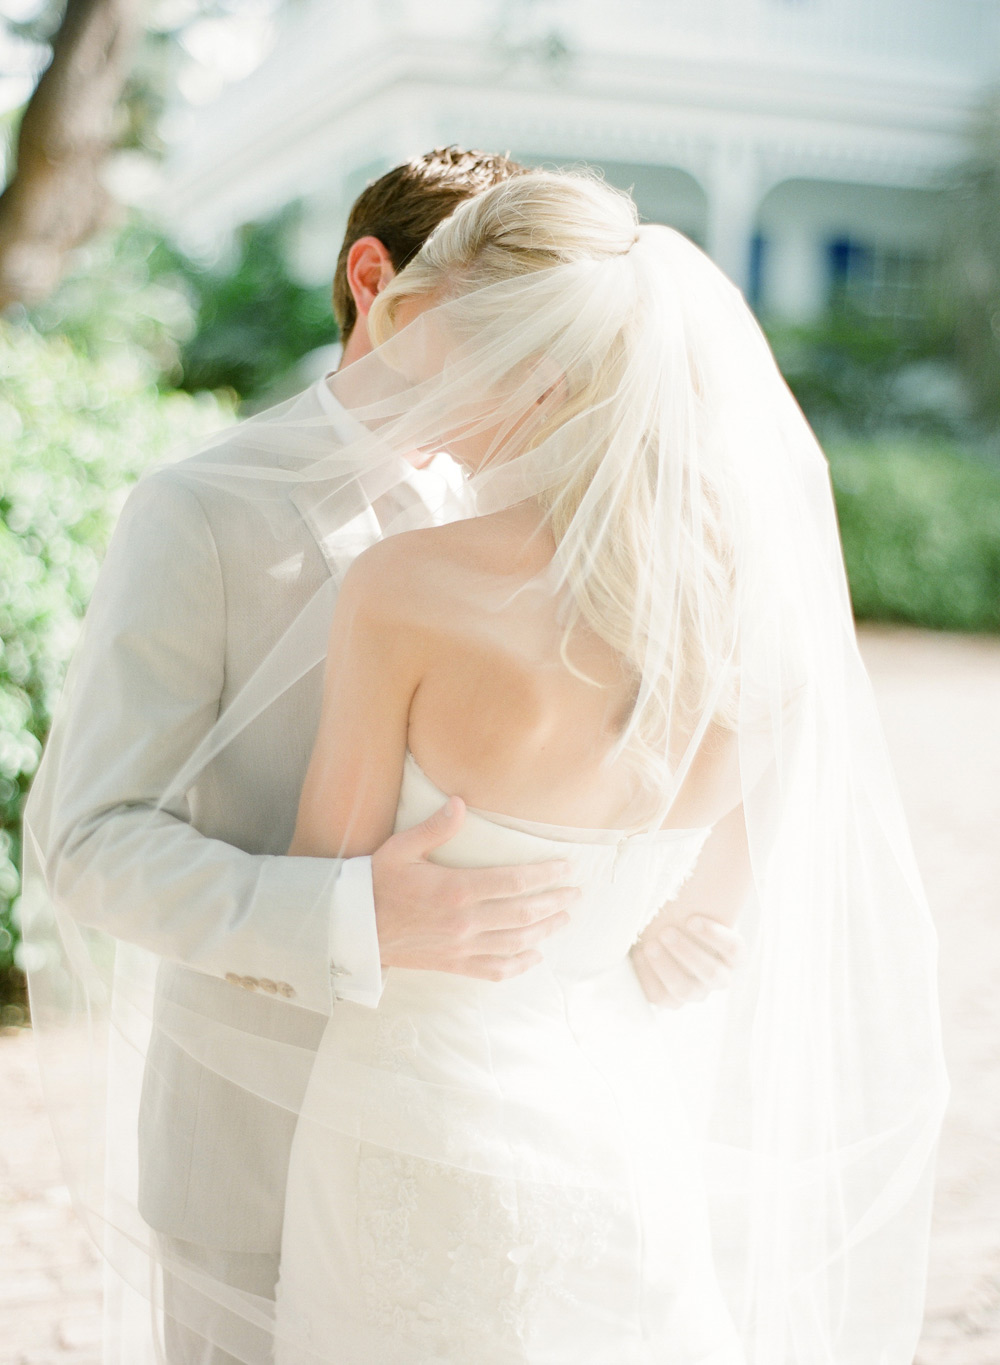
<point x="74" y="434"/>
<point x="921" y="531"/>
<point x="128" y="299"/>
<point x="239" y="325"/>
<point x="254" y="321"/>
<point x="856" y="376"/>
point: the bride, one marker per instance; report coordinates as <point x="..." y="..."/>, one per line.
<point x="637" y="656"/>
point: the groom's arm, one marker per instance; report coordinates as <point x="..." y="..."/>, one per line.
<point x="145" y="689"/>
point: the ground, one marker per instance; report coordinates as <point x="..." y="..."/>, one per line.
<point x="938" y="696"/>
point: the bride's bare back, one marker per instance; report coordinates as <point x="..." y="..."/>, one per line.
<point x="498" y="718"/>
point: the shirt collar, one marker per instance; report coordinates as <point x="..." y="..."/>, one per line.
<point x="347" y="522"/>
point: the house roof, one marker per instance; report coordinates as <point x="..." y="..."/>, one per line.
<point x="869" y="90"/>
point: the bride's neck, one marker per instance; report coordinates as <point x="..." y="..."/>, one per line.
<point x="527" y="526"/>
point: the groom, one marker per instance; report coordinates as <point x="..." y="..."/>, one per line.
<point x="182" y="616"/>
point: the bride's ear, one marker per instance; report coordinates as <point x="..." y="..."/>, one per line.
<point x="549" y="381"/>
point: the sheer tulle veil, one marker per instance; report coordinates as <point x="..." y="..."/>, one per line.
<point x="613" y="374"/>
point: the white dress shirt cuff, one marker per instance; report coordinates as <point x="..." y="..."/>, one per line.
<point x="355" y="965"/>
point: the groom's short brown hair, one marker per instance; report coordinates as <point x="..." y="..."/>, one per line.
<point x="403" y="207"/>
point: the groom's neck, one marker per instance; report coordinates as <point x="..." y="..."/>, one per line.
<point x="358" y="344"/>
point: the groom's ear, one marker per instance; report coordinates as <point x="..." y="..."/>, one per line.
<point x="369" y="270"/>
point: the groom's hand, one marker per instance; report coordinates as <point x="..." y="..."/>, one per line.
<point x="677" y="966"/>
<point x="477" y="921"/>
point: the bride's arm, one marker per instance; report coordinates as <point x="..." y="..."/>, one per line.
<point x="374" y="665"/>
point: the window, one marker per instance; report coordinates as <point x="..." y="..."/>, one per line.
<point x="883" y="281"/>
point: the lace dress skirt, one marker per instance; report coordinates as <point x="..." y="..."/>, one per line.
<point x="470" y="1192"/>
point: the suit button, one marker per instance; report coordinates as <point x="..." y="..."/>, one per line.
<point x="233" y="979"/>
<point x="249" y="983"/>
<point x="270" y="986"/>
<point x="285" y="989"/>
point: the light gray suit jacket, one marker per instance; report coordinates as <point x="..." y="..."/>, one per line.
<point x="188" y="604"/>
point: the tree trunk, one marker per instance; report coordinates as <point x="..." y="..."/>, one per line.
<point x="56" y="200"/>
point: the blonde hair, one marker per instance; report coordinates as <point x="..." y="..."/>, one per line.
<point x="537" y="222"/>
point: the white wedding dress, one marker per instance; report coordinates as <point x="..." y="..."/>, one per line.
<point x="506" y="1173"/>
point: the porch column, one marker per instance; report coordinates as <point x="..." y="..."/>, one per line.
<point x="734" y="190"/>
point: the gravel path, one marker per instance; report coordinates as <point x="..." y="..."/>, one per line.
<point x="939" y="697"/>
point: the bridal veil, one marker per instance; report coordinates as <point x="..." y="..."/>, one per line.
<point x="624" y="384"/>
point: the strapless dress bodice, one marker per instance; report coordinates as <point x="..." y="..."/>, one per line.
<point x="625" y="877"/>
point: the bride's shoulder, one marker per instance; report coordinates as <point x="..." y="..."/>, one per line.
<point x="407" y="573"/>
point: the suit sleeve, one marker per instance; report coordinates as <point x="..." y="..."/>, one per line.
<point x="144" y="689"/>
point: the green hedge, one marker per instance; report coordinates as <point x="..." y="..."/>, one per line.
<point x="920" y="525"/>
<point x="74" y="435"/>
<point x="240" y="324"/>
<point x="854" y="375"/>
<point x="253" y="320"/>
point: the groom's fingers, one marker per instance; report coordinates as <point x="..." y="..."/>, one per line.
<point x="654" y="989"/>
<point x="509" y="942"/>
<point x="677" y="966"/>
<point x="521" y="883"/>
<point x="431" y="833"/>
<point x="699" y="962"/>
<point x="521" y="912"/>
<point x="663" y="979"/>
<point x="722" y="940"/>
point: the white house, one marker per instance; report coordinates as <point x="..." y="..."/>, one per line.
<point x="802" y="142"/>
